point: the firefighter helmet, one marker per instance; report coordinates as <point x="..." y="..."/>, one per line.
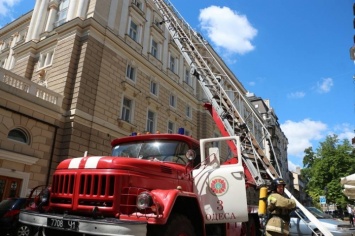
<point x="275" y="182"/>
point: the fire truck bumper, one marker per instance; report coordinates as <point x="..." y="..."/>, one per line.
<point x="83" y="225"/>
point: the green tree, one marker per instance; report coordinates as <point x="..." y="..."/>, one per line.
<point x="323" y="169"/>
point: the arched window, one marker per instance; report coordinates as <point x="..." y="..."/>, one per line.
<point x="18" y="135"/>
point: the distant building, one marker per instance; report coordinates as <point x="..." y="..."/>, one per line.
<point x="299" y="188"/>
<point x="279" y="140"/>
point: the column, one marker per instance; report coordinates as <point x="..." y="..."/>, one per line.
<point x="11" y="52"/>
<point x="71" y="10"/>
<point x="39" y="20"/>
<point x="82" y="8"/>
<point x="33" y="20"/>
<point x="124" y="18"/>
<point x="53" y="9"/>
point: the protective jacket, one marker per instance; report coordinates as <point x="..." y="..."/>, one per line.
<point x="279" y="208"/>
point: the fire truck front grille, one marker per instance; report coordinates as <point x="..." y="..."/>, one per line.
<point x="63" y="184"/>
<point x="94" y="190"/>
<point x="97" y="185"/>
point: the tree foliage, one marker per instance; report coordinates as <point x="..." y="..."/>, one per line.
<point x="323" y="169"/>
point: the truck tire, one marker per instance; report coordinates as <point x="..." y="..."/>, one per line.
<point x="177" y="225"/>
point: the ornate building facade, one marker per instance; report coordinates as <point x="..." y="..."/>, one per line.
<point x="77" y="74"/>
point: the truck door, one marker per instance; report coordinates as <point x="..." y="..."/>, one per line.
<point x="221" y="188"/>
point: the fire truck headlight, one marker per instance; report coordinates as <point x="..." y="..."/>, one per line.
<point x="44" y="196"/>
<point x="144" y="201"/>
<point x="190" y="155"/>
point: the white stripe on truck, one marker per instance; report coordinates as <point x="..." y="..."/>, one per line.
<point x="90" y="163"/>
<point x="74" y="163"/>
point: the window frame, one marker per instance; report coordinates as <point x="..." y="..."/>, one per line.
<point x="22" y="132"/>
<point x="172" y="63"/>
<point x="173" y="100"/>
<point x="154" y="88"/>
<point x="131" y="72"/>
<point x="154" y="49"/>
<point x="133" y="33"/>
<point x="151" y="121"/>
<point x="59" y="20"/>
<point x="171" y="127"/>
<point x="45" y="59"/>
<point x="188" y="111"/>
<point x="127" y="110"/>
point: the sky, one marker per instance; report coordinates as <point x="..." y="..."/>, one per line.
<point x="293" y="53"/>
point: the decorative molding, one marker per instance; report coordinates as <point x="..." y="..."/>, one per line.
<point x="17" y="157"/>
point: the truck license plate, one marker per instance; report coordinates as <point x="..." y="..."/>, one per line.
<point x="63" y="224"/>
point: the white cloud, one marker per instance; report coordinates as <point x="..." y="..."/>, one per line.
<point x="301" y="134"/>
<point x="252" y="83"/>
<point x="292" y="166"/>
<point x="325" y="85"/>
<point x="344" y="131"/>
<point x="296" y="95"/>
<point x="227" y="29"/>
<point x="6" y="5"/>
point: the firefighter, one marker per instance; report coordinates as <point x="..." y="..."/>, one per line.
<point x="279" y="208"/>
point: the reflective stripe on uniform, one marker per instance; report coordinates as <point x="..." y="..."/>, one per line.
<point x="276" y="229"/>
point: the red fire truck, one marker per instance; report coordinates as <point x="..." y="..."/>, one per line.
<point x="171" y="184"/>
<point x="152" y="184"/>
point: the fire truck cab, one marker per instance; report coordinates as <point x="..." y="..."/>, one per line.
<point x="153" y="184"/>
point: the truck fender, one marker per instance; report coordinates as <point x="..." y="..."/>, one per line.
<point x="175" y="200"/>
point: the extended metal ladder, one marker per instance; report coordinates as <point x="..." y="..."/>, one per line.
<point x="233" y="108"/>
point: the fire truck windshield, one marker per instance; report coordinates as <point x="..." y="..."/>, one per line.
<point x="158" y="150"/>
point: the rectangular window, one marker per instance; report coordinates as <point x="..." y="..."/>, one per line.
<point x="45" y="59"/>
<point x="133" y="31"/>
<point x="131" y="72"/>
<point x="154" y="49"/>
<point x="187" y="77"/>
<point x="154" y="88"/>
<point x="151" y="122"/>
<point x="171" y="127"/>
<point x="172" y="100"/>
<point x="62" y="13"/>
<point x="172" y="63"/>
<point x="126" y="110"/>
<point x="188" y="111"/>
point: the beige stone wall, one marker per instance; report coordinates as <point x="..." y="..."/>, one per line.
<point x="40" y="123"/>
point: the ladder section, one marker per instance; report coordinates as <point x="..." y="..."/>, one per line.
<point x="238" y="115"/>
<point x="233" y="109"/>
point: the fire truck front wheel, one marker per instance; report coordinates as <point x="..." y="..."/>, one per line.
<point x="177" y="225"/>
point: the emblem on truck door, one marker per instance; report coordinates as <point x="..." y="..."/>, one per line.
<point x="218" y="185"/>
